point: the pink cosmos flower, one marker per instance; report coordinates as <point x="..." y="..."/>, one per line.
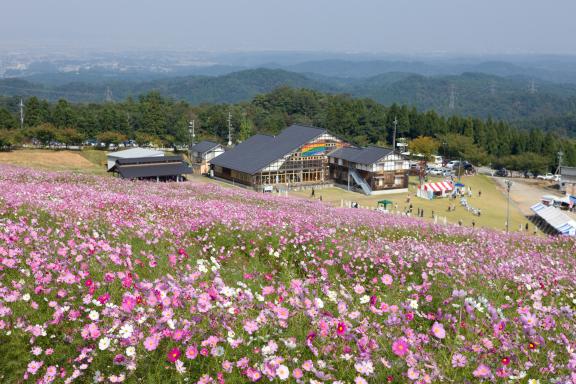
<point x="386" y="279"/>
<point x="34" y="366"/>
<point x="151" y="342"/>
<point x="400" y="347"/>
<point x="413" y="373"/>
<point x="482" y="371"/>
<point x="282" y="313"/>
<point x="459" y="360"/>
<point x="191" y="352"/>
<point x="438" y="330"/>
<point x="297" y="373"/>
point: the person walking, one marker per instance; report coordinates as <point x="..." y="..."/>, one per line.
<point x="479" y="193"/>
<point x="313" y="193"/>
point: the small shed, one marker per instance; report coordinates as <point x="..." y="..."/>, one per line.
<point x="202" y="153"/>
<point x="132" y="153"/>
<point x="430" y="191"/>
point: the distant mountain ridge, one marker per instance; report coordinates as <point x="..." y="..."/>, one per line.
<point x="511" y="98"/>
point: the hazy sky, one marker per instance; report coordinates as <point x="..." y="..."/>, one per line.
<point x="399" y="26"/>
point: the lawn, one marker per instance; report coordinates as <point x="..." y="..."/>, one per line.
<point x="56" y="160"/>
<point x="492" y="203"/>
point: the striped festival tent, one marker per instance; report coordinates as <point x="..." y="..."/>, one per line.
<point x="431" y="190"/>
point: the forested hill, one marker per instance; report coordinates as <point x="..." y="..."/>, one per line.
<point x="473" y="94"/>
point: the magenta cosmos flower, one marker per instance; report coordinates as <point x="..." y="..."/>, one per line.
<point x="341" y="328"/>
<point x="400" y="347"/>
<point x="173" y="355"/>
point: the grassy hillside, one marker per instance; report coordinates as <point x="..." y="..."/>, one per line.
<point x="111" y="281"/>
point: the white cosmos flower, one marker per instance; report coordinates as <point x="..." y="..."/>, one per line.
<point x="94" y="315"/>
<point x="26" y="297"/>
<point x="104" y="343"/>
<point x="126" y="331"/>
<point x="130" y="351"/>
<point x="282" y="372"/>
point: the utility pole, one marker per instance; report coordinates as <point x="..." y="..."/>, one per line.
<point x="21" y="114"/>
<point x="560" y="156"/>
<point x="229" y="129"/>
<point x="394" y="135"/>
<point x="508" y="186"/>
<point x="192" y="136"/>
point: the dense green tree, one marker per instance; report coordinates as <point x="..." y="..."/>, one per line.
<point x="36" y="112"/>
<point x="7" y="121"/>
<point x="63" y="115"/>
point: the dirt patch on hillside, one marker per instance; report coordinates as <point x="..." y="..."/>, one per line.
<point x="58" y="160"/>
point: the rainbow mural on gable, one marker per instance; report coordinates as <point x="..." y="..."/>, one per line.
<point x="318" y="149"/>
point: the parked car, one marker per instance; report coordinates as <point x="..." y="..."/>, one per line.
<point x="452" y="164"/>
<point x="549" y="177"/>
<point x="436" y="171"/>
<point x="502" y="172"/>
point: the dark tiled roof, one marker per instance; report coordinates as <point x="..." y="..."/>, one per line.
<point x="147" y="160"/>
<point x="568" y="171"/>
<point x="204" y="146"/>
<point x="152" y="170"/>
<point x="259" y="151"/>
<point x="367" y="156"/>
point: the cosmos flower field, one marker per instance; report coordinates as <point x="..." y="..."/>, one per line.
<point x="103" y="280"/>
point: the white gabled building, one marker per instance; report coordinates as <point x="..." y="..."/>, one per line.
<point x="131" y="154"/>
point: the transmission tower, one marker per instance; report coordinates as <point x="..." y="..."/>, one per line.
<point x="532" y="87"/>
<point x="21" y="105"/>
<point x="493" y="88"/>
<point x="108" y="95"/>
<point x="229" y="129"/>
<point x="452" y="103"/>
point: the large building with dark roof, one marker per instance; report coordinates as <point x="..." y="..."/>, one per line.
<point x="373" y="169"/>
<point x="297" y="157"/>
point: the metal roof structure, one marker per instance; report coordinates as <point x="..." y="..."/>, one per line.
<point x="259" y="151"/>
<point x="556" y="219"/>
<point x="136" y="152"/>
<point x="367" y="156"/>
<point x="204" y="146"/>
